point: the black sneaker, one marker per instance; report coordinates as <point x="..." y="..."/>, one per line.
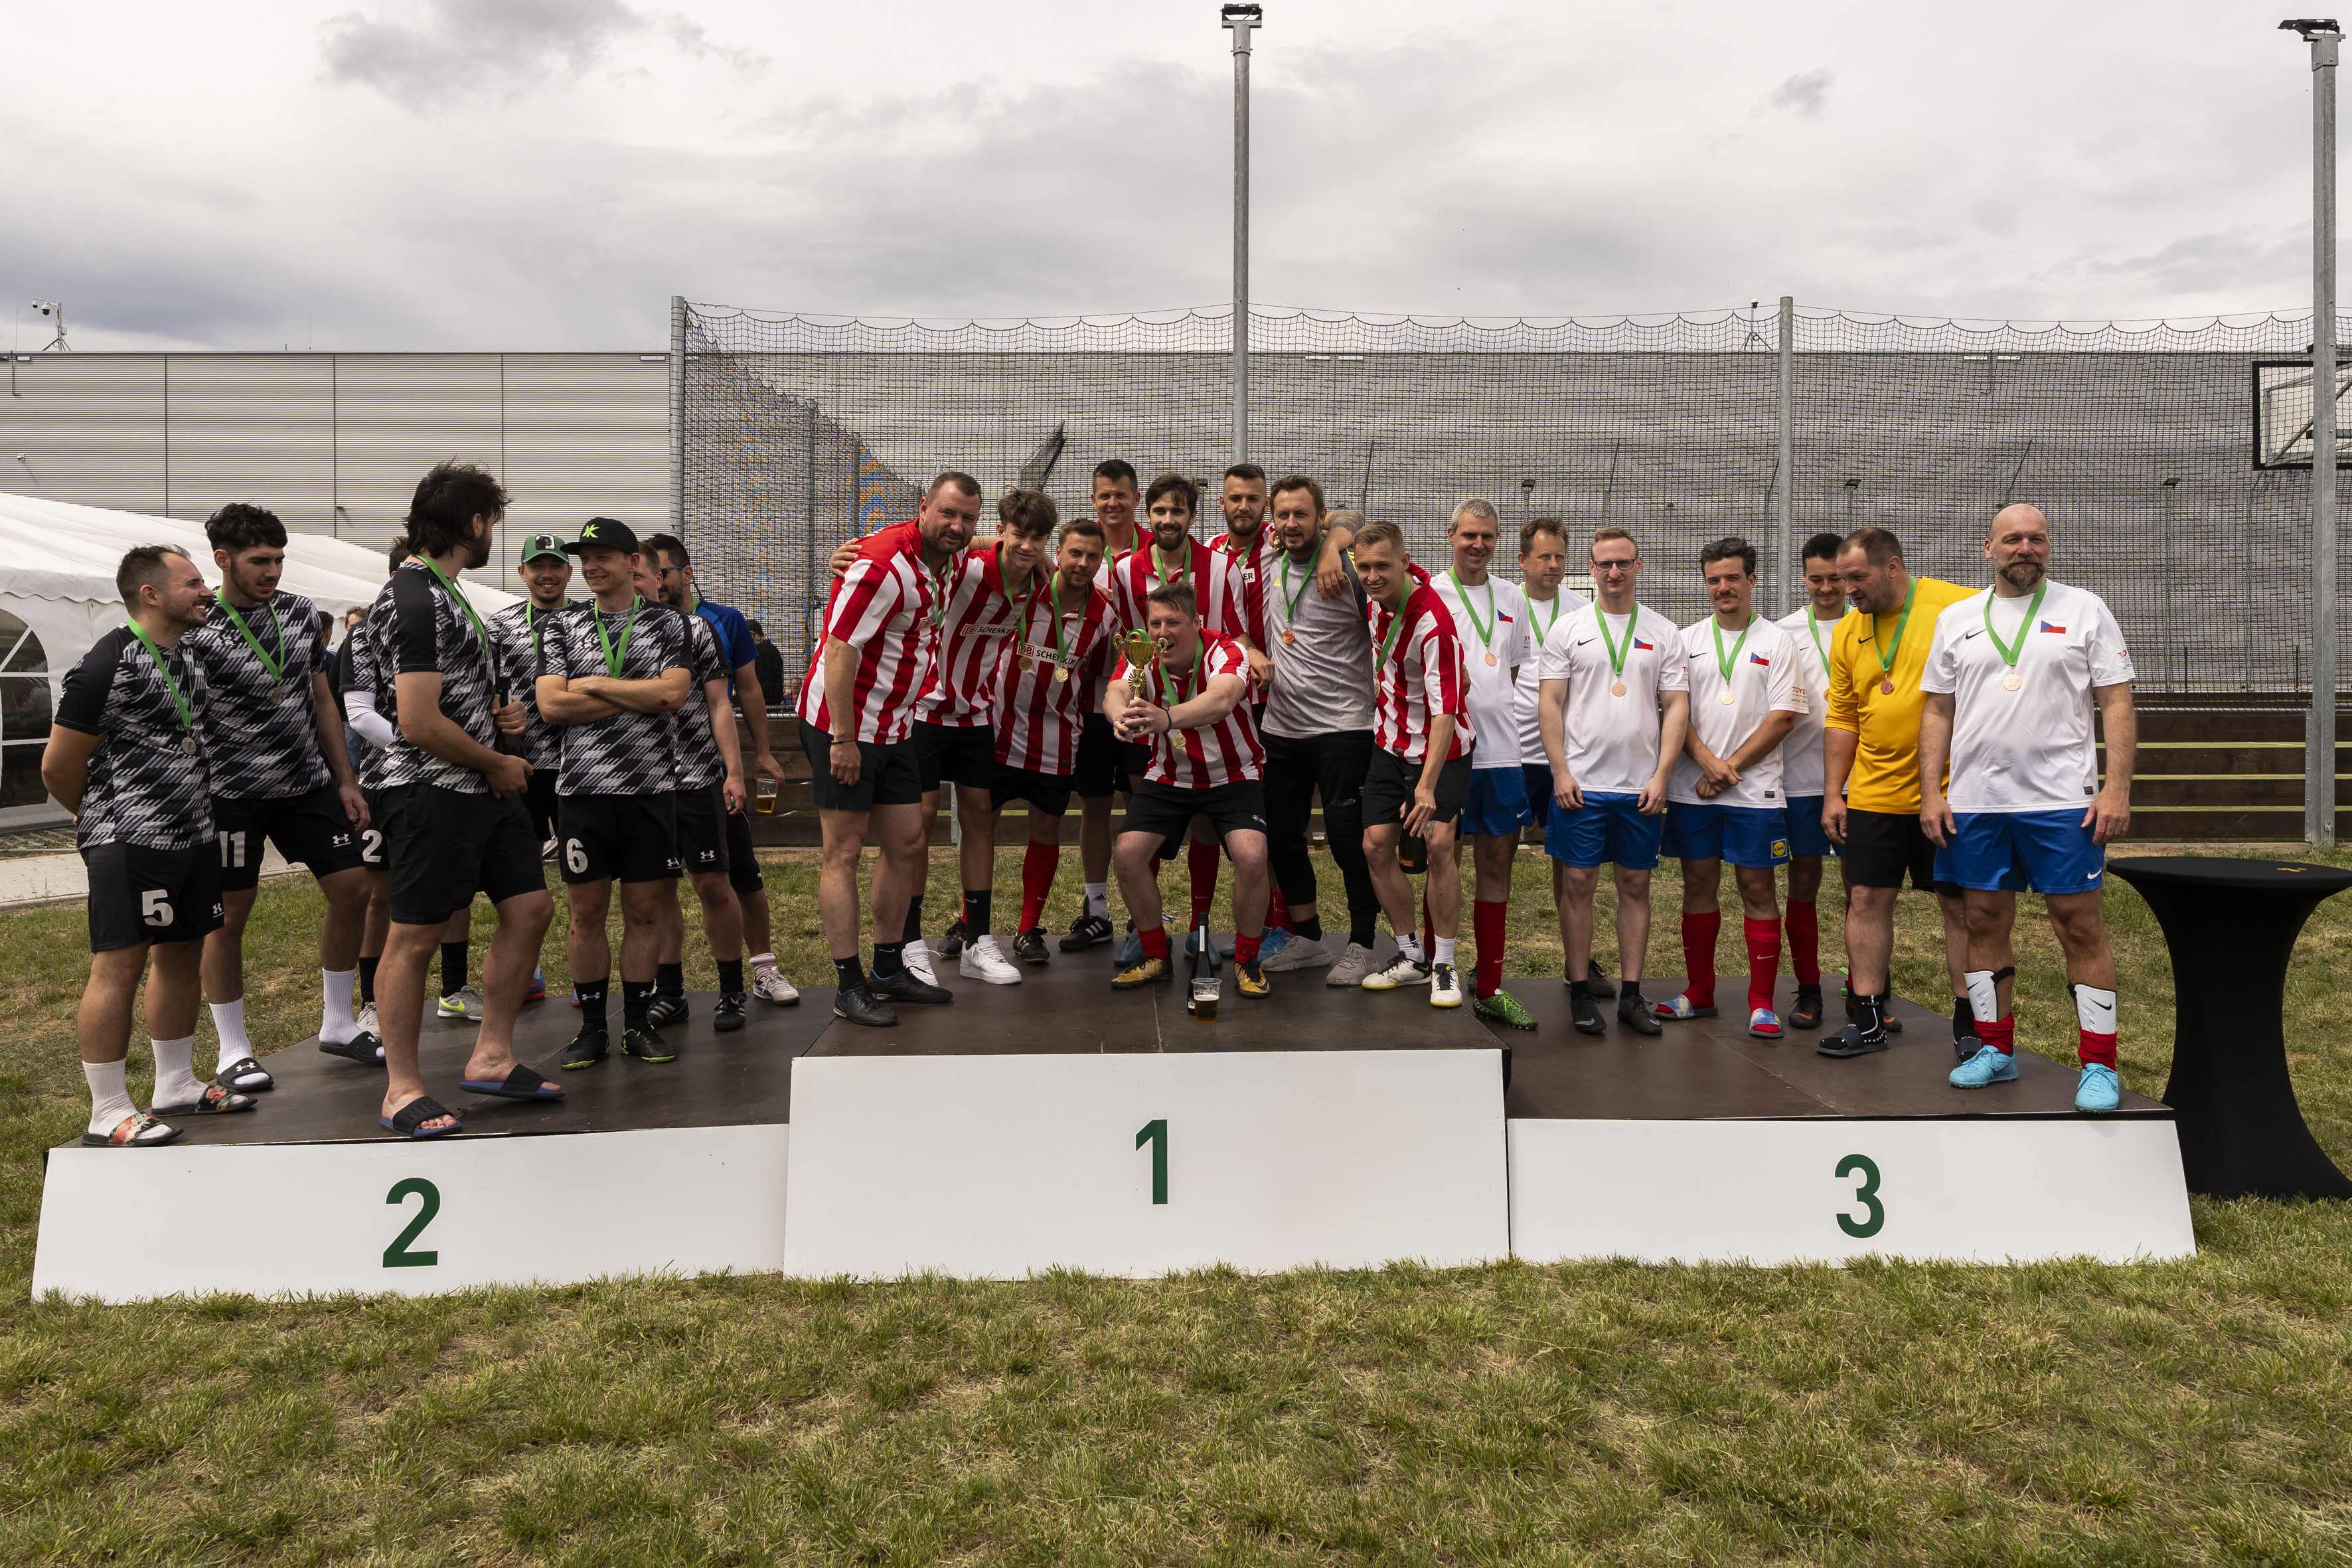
<point x="667" y="1010"/>
<point x="589" y="1046"/>
<point x="1584" y="1014"/>
<point x="1598" y="984"/>
<point x="728" y="1016"/>
<point x="856" y="1005"/>
<point x="1088" y="931"/>
<point x="1887" y="1021"/>
<point x="952" y="944"/>
<point x="1029" y="946"/>
<point x="644" y="1042"/>
<point x="1851" y="1041"/>
<point x="906" y="987"/>
<point x="1633" y="1012"/>
<point x="1807" y="1013"/>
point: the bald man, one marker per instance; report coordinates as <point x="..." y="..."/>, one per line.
<point x="2013" y="678"/>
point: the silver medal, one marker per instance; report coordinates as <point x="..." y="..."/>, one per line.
<point x="188" y="744"/>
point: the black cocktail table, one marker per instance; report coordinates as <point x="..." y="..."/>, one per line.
<point x="2230" y="926"/>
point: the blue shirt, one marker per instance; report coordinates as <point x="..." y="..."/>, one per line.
<point x="734" y="636"/>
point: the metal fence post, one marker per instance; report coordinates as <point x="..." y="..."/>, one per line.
<point x="1240" y="19"/>
<point x="2319" y="735"/>
<point x="677" y="415"/>
<point x="1783" y="520"/>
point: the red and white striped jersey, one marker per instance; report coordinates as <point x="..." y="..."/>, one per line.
<point x="1420" y="677"/>
<point x="882" y="606"/>
<point x="1215" y="577"/>
<point x="975" y="629"/>
<point x="1249" y="568"/>
<point x="1038" y="718"/>
<point x="1226" y="751"/>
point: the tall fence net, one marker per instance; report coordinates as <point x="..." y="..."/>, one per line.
<point x="2138" y="440"/>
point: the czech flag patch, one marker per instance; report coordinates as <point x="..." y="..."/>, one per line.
<point x="2047" y="627"/>
<point x="1643" y="647"/>
<point x="1760" y="658"/>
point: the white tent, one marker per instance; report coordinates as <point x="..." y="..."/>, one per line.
<point x="57" y="576"/>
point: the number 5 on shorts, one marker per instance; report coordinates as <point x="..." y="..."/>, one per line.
<point x="155" y="906"/>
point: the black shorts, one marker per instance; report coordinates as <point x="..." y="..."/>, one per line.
<point x="1881" y="845"/>
<point x="310" y="827"/>
<point x="1390" y="781"/>
<point x="1105" y="764"/>
<point x="886" y="775"/>
<point x="540" y="801"/>
<point x="445" y="846"/>
<point x="964" y="754"/>
<point x="702" y="816"/>
<point x="1166" y="812"/>
<point x="371" y="839"/>
<point x="630" y="836"/>
<point x="139" y="895"/>
<point x="742" y="865"/>
<point x="1049" y="793"/>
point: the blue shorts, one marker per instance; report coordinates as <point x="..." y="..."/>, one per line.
<point x="2013" y="851"/>
<point x="1498" y="804"/>
<point x="1806" y="835"/>
<point x="1605" y="827"/>
<point x="1537" y="778"/>
<point x="1752" y="835"/>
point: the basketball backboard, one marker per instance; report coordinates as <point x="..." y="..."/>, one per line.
<point x="2281" y="414"/>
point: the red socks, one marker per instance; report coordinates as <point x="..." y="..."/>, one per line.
<point x="2002" y="1035"/>
<point x="1246" y="947"/>
<point x="1277" y="912"/>
<point x="1037" y="869"/>
<point x="1201" y="860"/>
<point x="1763" y="960"/>
<point x="1804" y="942"/>
<point x="1489" y="925"/>
<point x="1698" y="956"/>
<point x="1155" y="941"/>
<point x="2099" y="1048"/>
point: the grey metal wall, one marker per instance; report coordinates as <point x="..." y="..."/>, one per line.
<point x="335" y="443"/>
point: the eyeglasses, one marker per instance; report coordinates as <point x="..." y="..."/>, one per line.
<point x="1601" y="566"/>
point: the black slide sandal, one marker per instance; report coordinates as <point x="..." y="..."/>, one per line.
<point x="215" y="1101"/>
<point x="364" y="1050"/>
<point x="410" y="1119"/>
<point x="523" y="1083"/>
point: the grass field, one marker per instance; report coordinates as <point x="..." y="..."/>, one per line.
<point x="1893" y="1413"/>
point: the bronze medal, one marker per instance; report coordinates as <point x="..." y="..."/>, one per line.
<point x="1490" y="657"/>
<point x="1288" y="637"/>
<point x="1728" y="699"/>
<point x="1616" y="688"/>
<point x="1886" y="688"/>
<point x="2012" y="680"/>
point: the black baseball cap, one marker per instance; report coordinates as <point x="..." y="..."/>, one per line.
<point x="607" y="533"/>
<point x="539" y="544"/>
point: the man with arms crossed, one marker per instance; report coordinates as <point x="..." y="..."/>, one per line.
<point x="1490" y="623"/>
<point x="857" y="715"/>
<point x="454" y="821"/>
<point x="1870" y="786"/>
<point x="126" y="756"/>
<point x="1190" y="704"/>
<point x="1061" y="644"/>
<point x="1810" y="629"/>
<point x="1317" y="731"/>
<point x="1418" y="776"/>
<point x="2012" y="679"/>
<point x="1543" y="563"/>
<point x="274" y="745"/>
<point x="1615" y="710"/>
<point x="1725" y="801"/>
<point x="1102" y="763"/>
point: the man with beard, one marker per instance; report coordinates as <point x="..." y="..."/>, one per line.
<point x="1810" y="629"/>
<point x="126" y="756"/>
<point x="2012" y="679"/>
<point x="454" y="822"/>
<point x="1101" y="770"/>
<point x="278" y="773"/>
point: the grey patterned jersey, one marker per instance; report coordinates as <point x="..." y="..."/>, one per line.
<point x="416" y="629"/>
<point x="520" y="628"/>
<point x="700" y="766"/>
<point x="262" y="733"/>
<point x="624" y="752"/>
<point x="144" y="788"/>
<point x="356" y="663"/>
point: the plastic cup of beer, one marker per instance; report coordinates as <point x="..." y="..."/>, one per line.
<point x="1204" y="998"/>
<point x="763" y="799"/>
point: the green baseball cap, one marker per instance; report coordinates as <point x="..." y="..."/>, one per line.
<point x="539" y="544"/>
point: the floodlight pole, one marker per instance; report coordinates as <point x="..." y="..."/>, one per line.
<point x="1240" y="20"/>
<point x="1783" y="516"/>
<point x="2319" y="731"/>
<point x="677" y="415"/>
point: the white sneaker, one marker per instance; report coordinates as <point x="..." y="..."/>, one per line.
<point x="367" y="1024"/>
<point x="917" y="957"/>
<point x="1401" y="972"/>
<point x="1292" y="951"/>
<point x="1353" y="965"/>
<point x="1444" y="986"/>
<point x="466" y="1003"/>
<point x="770" y="985"/>
<point x="983" y="960"/>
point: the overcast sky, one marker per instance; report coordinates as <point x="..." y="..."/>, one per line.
<point x="545" y="174"/>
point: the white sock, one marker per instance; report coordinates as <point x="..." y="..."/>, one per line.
<point x="337" y="1027"/>
<point x="762" y="962"/>
<point x="1984" y="994"/>
<point x="1098" y="899"/>
<point x="110" y="1102"/>
<point x="1409" y="945"/>
<point x="228" y="1018"/>
<point x="2095" y="1009"/>
<point x="1445" y="948"/>
<point x="176" y="1076"/>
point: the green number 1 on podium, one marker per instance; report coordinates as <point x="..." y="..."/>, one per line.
<point x="1155" y="1133"/>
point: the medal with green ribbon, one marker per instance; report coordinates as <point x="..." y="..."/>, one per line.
<point x="1554" y="603"/>
<point x="1290" y="600"/>
<point x="1726" y="662"/>
<point x="1159" y="563"/>
<point x="276" y="667"/>
<point x="2009" y="650"/>
<point x="1485" y="629"/>
<point x="1813" y="630"/>
<point x="179" y="699"/>
<point x="1877" y="642"/>
<point x="1617" y="655"/>
<point x="451" y="589"/>
<point x="614" y="657"/>
<point x="1396" y="625"/>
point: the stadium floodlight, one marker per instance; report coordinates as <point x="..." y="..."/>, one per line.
<point x="2319" y="731"/>
<point x="54" y="312"/>
<point x="1241" y="21"/>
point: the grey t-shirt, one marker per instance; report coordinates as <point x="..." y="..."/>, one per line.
<point x="1323" y="671"/>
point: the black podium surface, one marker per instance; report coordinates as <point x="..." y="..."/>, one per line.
<point x="2230" y="926"/>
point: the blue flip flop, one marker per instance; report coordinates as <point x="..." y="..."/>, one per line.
<point x="410" y="1119"/>
<point x="521" y="1083"/>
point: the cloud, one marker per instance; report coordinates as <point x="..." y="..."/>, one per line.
<point x="466" y="50"/>
<point x="1802" y="94"/>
